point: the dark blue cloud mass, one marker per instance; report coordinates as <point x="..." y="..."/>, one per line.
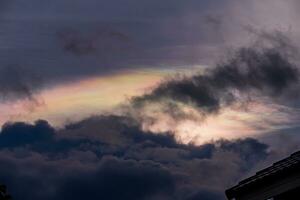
<point x="110" y="157"/>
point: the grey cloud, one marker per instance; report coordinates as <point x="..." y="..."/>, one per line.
<point x="112" y="35"/>
<point x="102" y="42"/>
<point x="16" y="82"/>
<point x="117" y="35"/>
<point x="110" y="156"/>
<point x="249" y="73"/>
<point x="276" y="39"/>
<point x="117" y="179"/>
<point x="19" y="134"/>
<point x="205" y="195"/>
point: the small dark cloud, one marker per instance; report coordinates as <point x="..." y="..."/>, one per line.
<point x="277" y="39"/>
<point x="77" y="45"/>
<point x="22" y="134"/>
<point x="17" y="83"/>
<point x="214" y="20"/>
<point x="97" y="42"/>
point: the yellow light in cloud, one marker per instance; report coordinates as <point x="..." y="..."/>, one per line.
<point x="230" y="123"/>
<point x="91" y="96"/>
<point x="76" y="100"/>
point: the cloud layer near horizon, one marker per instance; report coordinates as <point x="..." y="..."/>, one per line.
<point x="111" y="157"/>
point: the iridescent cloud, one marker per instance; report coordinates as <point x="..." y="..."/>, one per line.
<point x="76" y="100"/>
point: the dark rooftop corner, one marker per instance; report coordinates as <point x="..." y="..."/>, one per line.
<point x="3" y="193"/>
<point x="281" y="181"/>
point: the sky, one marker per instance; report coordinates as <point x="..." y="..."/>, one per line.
<point x="146" y="100"/>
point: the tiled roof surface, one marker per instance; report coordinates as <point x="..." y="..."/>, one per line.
<point x="275" y="169"/>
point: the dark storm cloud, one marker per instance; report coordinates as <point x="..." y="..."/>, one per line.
<point x="249" y="73"/>
<point x="22" y="134"/>
<point x="111" y="157"/>
<point x="117" y="179"/>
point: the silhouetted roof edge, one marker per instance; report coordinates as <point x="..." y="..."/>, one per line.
<point x="278" y="169"/>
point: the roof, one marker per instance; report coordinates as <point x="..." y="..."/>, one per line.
<point x="280" y="168"/>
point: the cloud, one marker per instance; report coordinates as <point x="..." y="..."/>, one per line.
<point x="19" y="134"/>
<point x="17" y="82"/>
<point x="266" y="72"/>
<point x="102" y="41"/>
<point x="205" y="195"/>
<point x="68" y="44"/>
<point x="110" y="157"/>
<point x="100" y="37"/>
<point x="119" y="179"/>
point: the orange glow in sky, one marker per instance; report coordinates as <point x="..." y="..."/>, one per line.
<point x="74" y="101"/>
<point x="81" y="99"/>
